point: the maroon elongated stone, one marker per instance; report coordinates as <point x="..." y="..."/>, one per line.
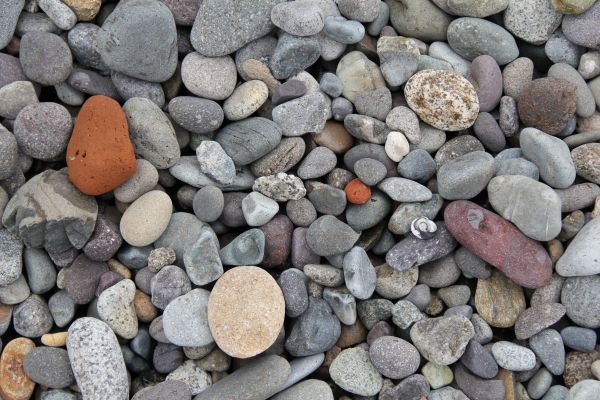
<point x="499" y="243"/>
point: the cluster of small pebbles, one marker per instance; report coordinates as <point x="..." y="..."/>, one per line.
<point x="300" y="200"/>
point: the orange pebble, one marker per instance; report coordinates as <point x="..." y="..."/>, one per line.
<point x="100" y="155"/>
<point x="357" y="192"/>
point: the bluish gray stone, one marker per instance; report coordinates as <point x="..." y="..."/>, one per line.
<point x="247" y="248"/>
<point x="45" y="58"/>
<point x="82" y="42"/>
<point x="560" y="50"/>
<point x="579" y="339"/>
<point x="315" y="331"/>
<point x="62" y="308"/>
<point x="418" y="165"/>
<point x="302" y="115"/>
<point x="202" y="261"/>
<point x="248" y="140"/>
<point x="195" y="114"/>
<point x="404" y="190"/>
<point x="293" y="285"/>
<point x="466" y="176"/>
<point x="359" y="273"/>
<point x="472" y="37"/>
<point x="185" y="319"/>
<point x="581" y="296"/>
<point x="49" y="366"/>
<point x="301" y="18"/>
<point x="32" y="318"/>
<point x="293" y="54"/>
<point x="344" y="31"/>
<point x="139" y="39"/>
<point x="328" y="236"/>
<point x="9" y="15"/>
<point x="364" y="216"/>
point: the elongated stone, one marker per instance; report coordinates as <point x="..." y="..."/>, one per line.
<point x="499" y="243"/>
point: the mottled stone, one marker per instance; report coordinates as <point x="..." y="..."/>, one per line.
<point x="499" y="301"/>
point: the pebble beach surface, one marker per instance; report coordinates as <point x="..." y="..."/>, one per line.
<point x="299" y="200"/>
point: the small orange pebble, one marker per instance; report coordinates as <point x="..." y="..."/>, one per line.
<point x="357" y="192"/>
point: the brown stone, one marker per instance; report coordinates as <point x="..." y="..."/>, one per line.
<point x="555" y="250"/>
<point x="578" y="366"/>
<point x="509" y="383"/>
<point x="100" y="155"/>
<point x="5" y="314"/>
<point x="14" y="383"/>
<point x="278" y="241"/>
<point x="499" y="243"/>
<point x="352" y="335"/>
<point x="330" y="355"/>
<point x="498" y="300"/>
<point x="587" y="161"/>
<point x="547" y="104"/>
<point x="435" y="306"/>
<point x="335" y="137"/>
<point x="144" y="309"/>
<point x="246" y="311"/>
<point x="86" y="10"/>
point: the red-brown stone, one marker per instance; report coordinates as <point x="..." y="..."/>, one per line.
<point x="499" y="243"/>
<point x="100" y="155"/>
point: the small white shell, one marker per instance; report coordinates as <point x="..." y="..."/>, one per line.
<point x="423" y="228"/>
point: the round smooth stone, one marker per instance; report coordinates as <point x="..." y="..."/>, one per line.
<point x="583" y="29"/>
<point x="146" y="219"/>
<point x="208" y="203"/>
<point x="353" y="371"/>
<point x="45" y="58"/>
<point x="246" y="310"/>
<point x="443" y="99"/>
<point x="14" y="382"/>
<point x="581" y="296"/>
<point x="245" y="100"/>
<point x="212" y="78"/>
<point x="185" y="321"/>
<point x="100" y="156"/>
<point x="302" y="18"/>
<point x="465" y="177"/>
<point x="43" y="130"/>
<point x="442" y="340"/>
<point x="513" y="357"/>
<point x="393" y="357"/>
<point x="49" y="367"/>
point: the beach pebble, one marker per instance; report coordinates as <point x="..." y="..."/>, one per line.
<point x="49" y="367"/>
<point x="353" y="371"/>
<point x="579" y="296"/>
<point x="146" y="219"/>
<point x="465" y="176"/>
<point x="424" y="90"/>
<point x="245" y="100"/>
<point x="531" y="20"/>
<point x="97" y="360"/>
<point x="442" y="340"/>
<point x="212" y="78"/>
<point x="303" y="18"/>
<point x="115" y="307"/>
<point x="185" y="321"/>
<point x="513" y="357"/>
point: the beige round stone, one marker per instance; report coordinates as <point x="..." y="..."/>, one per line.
<point x="443" y="99"/>
<point x="396" y="146"/>
<point x="58" y="339"/>
<point x="245" y="100"/>
<point x="85" y="10"/>
<point x="146" y="218"/>
<point x="245" y="311"/>
<point x="498" y="300"/>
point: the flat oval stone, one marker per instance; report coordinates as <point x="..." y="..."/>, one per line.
<point x="537" y="318"/>
<point x="475" y="387"/>
<point x="498" y="300"/>
<point x="245" y="100"/>
<point x="513" y="357"/>
<point x="443" y="99"/>
<point x="581" y="257"/>
<point x="248" y="140"/>
<point x="499" y="243"/>
<point x="358" y="74"/>
<point x="310" y="388"/>
<point x="328" y="236"/>
<point x="115" y="307"/>
<point x="14" y="382"/>
<point x="195" y="114"/>
<point x="146" y="219"/>
<point x="259" y="379"/>
<point x="582" y="29"/>
<point x="222" y="27"/>
<point x="472" y="37"/>
<point x="466" y="176"/>
<point x="353" y="371"/>
<point x="282" y="158"/>
<point x="139" y="39"/>
<point x="586" y="162"/>
<point x="209" y="77"/>
<point x="45" y="57"/>
<point x="442" y="340"/>
<point x="581" y="296"/>
<point x="100" y="155"/>
<point x="315" y="331"/>
<point x="393" y="357"/>
<point x="185" y="320"/>
<point x="152" y="133"/>
<point x="532" y="206"/>
<point x="97" y="360"/>
<point x="551" y="155"/>
<point x="412" y="251"/>
<point x="246" y="310"/>
<point x="547" y="104"/>
<point x="49" y="367"/>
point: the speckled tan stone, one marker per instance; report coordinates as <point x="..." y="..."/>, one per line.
<point x="498" y="300"/>
<point x="58" y="339"/>
<point x="86" y="10"/>
<point x="443" y="99"/>
<point x="245" y="311"/>
<point x="14" y="383"/>
<point x="144" y="309"/>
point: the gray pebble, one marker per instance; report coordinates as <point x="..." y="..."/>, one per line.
<point x="208" y="203"/>
<point x="9" y="14"/>
<point x="489" y="133"/>
<point x="560" y="50"/>
<point x="364" y="216"/>
<point x="49" y="366"/>
<point x="359" y="274"/>
<point x="551" y="155"/>
<point x="303" y="115"/>
<point x="509" y="118"/>
<point x="457" y="147"/>
<point x="11" y="252"/>
<point x="479" y="360"/>
<point x="471" y="265"/>
<point x="134" y="257"/>
<point x="248" y="248"/>
<point x="169" y="283"/>
<point x="82" y="41"/>
<point x="340" y="107"/>
<point x="466" y="176"/>
<point x="585" y="102"/>
<point x="259" y="49"/>
<point x="11" y="69"/>
<point x="15" y="292"/>
<point x="222" y="27"/>
<point x="513" y="357"/>
<point x="580" y="296"/>
<point x="15" y="96"/>
<point x="41" y="273"/>
<point x="374" y="103"/>
<point x="405" y="314"/>
<point x="293" y="285"/>
<point x="301" y="212"/>
<point x="439" y="273"/>
<point x="550" y="350"/>
<point x="531" y="20"/>
<point x="442" y="340"/>
<point x="366" y="128"/>
<point x="43" y="130"/>
<point x="404" y="190"/>
<point x="139" y="39"/>
<point x="417" y="165"/>
<point x="579" y="339"/>
<point x="343" y="304"/>
<point x="303" y="340"/>
<point x="353" y="371"/>
<point x="211" y="78"/>
<point x="185" y="320"/>
<point x="301" y="18"/>
<point x="331" y="84"/>
<point x="472" y="37"/>
<point x="556" y="392"/>
<point x="90" y="82"/>
<point x="539" y="384"/>
<point x="317" y="163"/>
<point x="248" y="140"/>
<point x="293" y="54"/>
<point x="344" y="31"/>
<point x="370" y="171"/>
<point x="195" y="114"/>
<point x="129" y="87"/>
<point x="292" y="89"/>
<point x="32" y="318"/>
<point x="329" y="236"/>
<point x="45" y="58"/>
<point x="151" y="132"/>
<point x="62" y="308"/>
<point x="202" y="261"/>
<point x="582" y="29"/>
<point x="215" y="163"/>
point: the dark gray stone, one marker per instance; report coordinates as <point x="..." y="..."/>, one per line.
<point x="315" y="331"/>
